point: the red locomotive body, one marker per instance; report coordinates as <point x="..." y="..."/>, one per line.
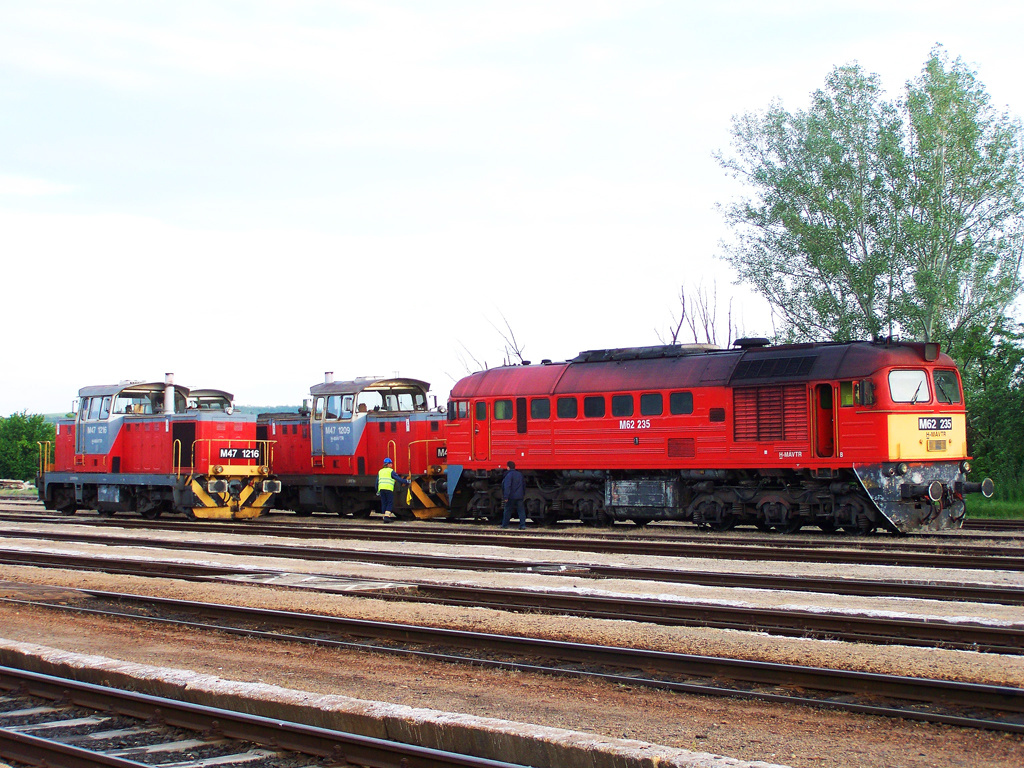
<point x="327" y="457"/>
<point x="157" y="447"/>
<point x="850" y="435"/>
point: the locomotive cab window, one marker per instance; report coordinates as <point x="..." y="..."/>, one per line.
<point x="540" y="408"/>
<point x="593" y="407"/>
<point x="651" y="404"/>
<point x="909" y="387"/>
<point x="622" y="405"/>
<point x="567" y="408"/>
<point x="502" y="410"/>
<point x="680" y="403"/>
<point x="947" y="387"/>
<point x="339" y="406"/>
<point x="457" y="410"/>
<point x="846" y="394"/>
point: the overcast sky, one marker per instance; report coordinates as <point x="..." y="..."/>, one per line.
<point x="248" y="194"/>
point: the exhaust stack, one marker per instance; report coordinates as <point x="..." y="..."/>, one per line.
<point x="168" y="393"/>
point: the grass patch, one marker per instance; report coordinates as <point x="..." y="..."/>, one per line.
<point x="997" y="509"/>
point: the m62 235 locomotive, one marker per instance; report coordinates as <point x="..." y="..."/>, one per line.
<point x="853" y="436"/>
<point x="154" y="448"/>
<point x="327" y="456"/>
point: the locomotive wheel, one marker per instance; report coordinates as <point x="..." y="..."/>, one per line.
<point x="792" y="525"/>
<point x="828" y="526"/>
<point x="641" y="521"/>
<point x="727" y="523"/>
<point x="305" y="512"/>
<point x="151" y="513"/>
<point x="363" y="513"/>
<point x="64" y="501"/>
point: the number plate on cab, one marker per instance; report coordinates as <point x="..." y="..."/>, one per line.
<point x="934" y="423"/>
<point x="241" y="454"/>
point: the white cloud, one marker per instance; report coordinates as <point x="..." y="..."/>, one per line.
<point x="22" y="186"/>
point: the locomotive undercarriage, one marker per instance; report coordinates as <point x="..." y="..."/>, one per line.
<point x="771" y="500"/>
<point x="194" y="496"/>
<point x="356" y="496"/>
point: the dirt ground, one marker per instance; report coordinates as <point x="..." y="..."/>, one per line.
<point x="791" y="735"/>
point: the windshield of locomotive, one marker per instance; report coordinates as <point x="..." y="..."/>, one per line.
<point x="909" y="387"/>
<point x="408" y="399"/>
<point x="947" y="387"/>
<point x="146" y="402"/>
<point x="210" y="403"/>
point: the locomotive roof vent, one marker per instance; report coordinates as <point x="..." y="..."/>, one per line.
<point x="642" y="353"/>
<point x="751" y="342"/>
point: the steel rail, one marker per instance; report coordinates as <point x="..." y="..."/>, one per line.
<point x="849" y="627"/>
<point x="33" y="750"/>
<point x="306" y="739"/>
<point x="987" y="562"/>
<point x="972" y="705"/>
<point x="632" y="541"/>
<point x="842" y="586"/>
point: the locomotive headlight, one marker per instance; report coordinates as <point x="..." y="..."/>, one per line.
<point x="902" y="468"/>
<point x="965" y="466"/>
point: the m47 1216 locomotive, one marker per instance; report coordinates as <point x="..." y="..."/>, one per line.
<point x="327" y="456"/>
<point x="839" y="435"/>
<point x="153" y="448"/>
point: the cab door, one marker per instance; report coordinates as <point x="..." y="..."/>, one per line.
<point x="83" y="414"/>
<point x="481" y="432"/>
<point x="316" y="433"/>
<point x="824" y="421"/>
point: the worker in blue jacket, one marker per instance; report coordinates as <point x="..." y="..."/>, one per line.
<point x="513" y="491"/>
<point x="386" y="479"/>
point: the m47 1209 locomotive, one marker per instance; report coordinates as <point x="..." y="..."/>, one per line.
<point x="839" y="435"/>
<point x="153" y="448"/>
<point x="327" y="456"/>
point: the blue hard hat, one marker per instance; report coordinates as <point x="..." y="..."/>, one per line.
<point x="387" y="461"/>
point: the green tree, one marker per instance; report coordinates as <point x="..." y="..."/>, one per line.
<point x="19" y="450"/>
<point x="867" y="217"/>
<point x="962" y="215"/>
<point x="994" y="387"/>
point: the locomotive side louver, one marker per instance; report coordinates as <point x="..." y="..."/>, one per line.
<point x="773" y="367"/>
<point x="770" y="413"/>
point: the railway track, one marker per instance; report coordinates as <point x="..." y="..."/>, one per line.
<point x="969" y="705"/>
<point x="849" y="627"/>
<point x="59" y="722"/>
<point x="770" y="549"/>
<point x="1000" y="560"/>
<point x="327" y="526"/>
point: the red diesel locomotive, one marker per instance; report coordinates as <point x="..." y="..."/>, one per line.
<point x="327" y="457"/>
<point x="156" y="447"/>
<point x="839" y="435"/>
